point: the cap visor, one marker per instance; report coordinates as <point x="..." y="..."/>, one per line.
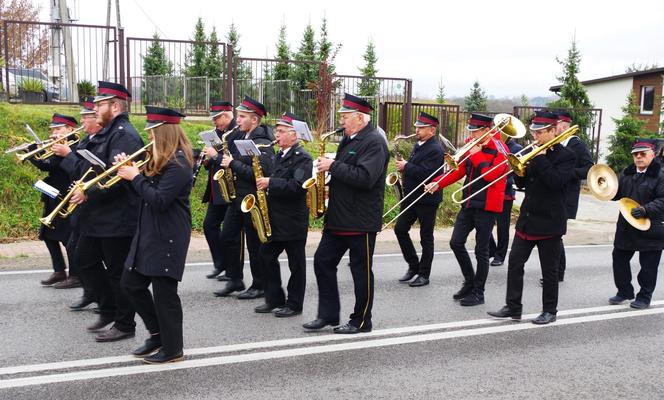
<point x="152" y="125"/>
<point x="245" y="109"/>
<point x="51" y="126"/>
<point x="84" y="112"/>
<point x="215" y="114"/>
<point x="537" y="127"/>
<point x="421" y="124"/>
<point x="284" y="123"/>
<point x="346" y="110"/>
<point x="102" y="98"/>
<point x="474" y="127"/>
<point x="640" y="149"/>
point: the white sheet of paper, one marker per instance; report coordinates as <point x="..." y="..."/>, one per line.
<point x="247" y="148"/>
<point x="210" y="138"/>
<point x="302" y="130"/>
<point x="47" y="189"/>
<point x="34" y="135"/>
<point x="92" y="159"/>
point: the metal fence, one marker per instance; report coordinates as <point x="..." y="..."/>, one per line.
<point x="51" y="61"/>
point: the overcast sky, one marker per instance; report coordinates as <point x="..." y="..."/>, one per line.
<point x="510" y="46"/>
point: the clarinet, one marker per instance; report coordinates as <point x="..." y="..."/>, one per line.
<point x="197" y="167"/>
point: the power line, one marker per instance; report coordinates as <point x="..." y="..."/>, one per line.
<point x="163" y="35"/>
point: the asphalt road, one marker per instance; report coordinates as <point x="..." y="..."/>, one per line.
<point x="424" y="345"/>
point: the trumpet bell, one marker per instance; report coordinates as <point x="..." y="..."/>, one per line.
<point x="602" y="182"/>
<point x="514" y="128"/>
<point x="626" y="205"/>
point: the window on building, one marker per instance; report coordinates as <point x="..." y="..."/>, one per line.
<point x="647" y="99"/>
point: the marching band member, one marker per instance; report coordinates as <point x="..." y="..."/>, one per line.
<point x="643" y="182"/>
<point x="107" y="217"/>
<point x="478" y="213"/>
<point x="249" y="115"/>
<point x="159" y="248"/>
<point x="542" y="221"/>
<point x="289" y="218"/>
<point x="353" y="217"/>
<point x="427" y="156"/>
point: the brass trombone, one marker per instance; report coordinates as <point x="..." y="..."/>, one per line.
<point x="43" y="150"/>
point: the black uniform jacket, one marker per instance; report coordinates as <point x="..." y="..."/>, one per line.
<point x="287" y="201"/>
<point x="212" y="191"/>
<point x="423" y="161"/>
<point x="245" y="182"/>
<point x="583" y="163"/>
<point x="109" y="212"/>
<point x="357" y="184"/>
<point x="59" y="179"/>
<point x="162" y="237"/>
<point x="647" y="189"/>
<point x="543" y="211"/>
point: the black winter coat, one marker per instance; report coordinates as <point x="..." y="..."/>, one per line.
<point x="514" y="148"/>
<point x="543" y="211"/>
<point x="647" y="189"/>
<point x="160" y="245"/>
<point x="286" y="200"/>
<point x="584" y="162"/>
<point x="357" y="184"/>
<point x="245" y="182"/>
<point x="423" y="161"/>
<point x="111" y="212"/>
<point x="212" y="191"/>
<point x="59" y="179"/>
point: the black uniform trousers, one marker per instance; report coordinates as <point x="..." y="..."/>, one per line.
<point x="160" y="310"/>
<point x="499" y="250"/>
<point x="326" y="260"/>
<point x="426" y="216"/>
<point x="297" y="263"/>
<point x="55" y="251"/>
<point x="482" y="222"/>
<point x="212" y="228"/>
<point x="74" y="269"/>
<point x="549" y="255"/>
<point x="105" y="283"/>
<point x="234" y="223"/>
<point x="647" y="277"/>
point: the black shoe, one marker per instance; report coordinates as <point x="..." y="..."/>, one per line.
<point x="544" y="318"/>
<point x="318" y="324"/>
<point x="55" y="277"/>
<point x="264" y="308"/>
<point x="473" y="299"/>
<point x="349" y="329"/>
<point x="407" y="276"/>
<point x="640" y="304"/>
<point x="496" y="262"/>
<point x="100" y="323"/>
<point x="285" y="312"/>
<point x="113" y="335"/>
<point x="505" y="312"/>
<point x="231" y="286"/>
<point x="151" y="345"/>
<point x="223" y="278"/>
<point x="161" y="358"/>
<point x="419" y="281"/>
<point x="464" y="291"/>
<point x="251" y="294"/>
<point x="213" y="274"/>
<point x="80" y="304"/>
<point x="70" y="283"/>
<point x="618" y="299"/>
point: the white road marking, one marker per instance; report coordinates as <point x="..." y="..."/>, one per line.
<point x="271" y="344"/>
<point x="387" y="255"/>
<point x="301" y="351"/>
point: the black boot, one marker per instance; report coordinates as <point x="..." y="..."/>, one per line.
<point x="464" y="291"/>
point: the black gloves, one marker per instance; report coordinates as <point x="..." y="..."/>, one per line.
<point x="638" y="212"/>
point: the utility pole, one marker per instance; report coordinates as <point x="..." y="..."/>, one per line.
<point x="106" y="41"/>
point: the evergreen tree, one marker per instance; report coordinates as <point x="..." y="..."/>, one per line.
<point x="628" y="128"/>
<point x="369" y="87"/>
<point x="306" y="73"/>
<point x="157" y="85"/>
<point x="440" y="96"/>
<point x="476" y="100"/>
<point x="213" y="62"/>
<point x="326" y="49"/>
<point x="196" y="59"/>
<point x="155" y="61"/>
<point x="524" y="101"/>
<point x="282" y="70"/>
<point x="243" y="72"/>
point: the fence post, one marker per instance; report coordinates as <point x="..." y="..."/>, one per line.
<point x="128" y="71"/>
<point x="407" y="107"/>
<point x="382" y="117"/>
<point x="229" y="74"/>
<point x="6" y="52"/>
<point x="122" y="55"/>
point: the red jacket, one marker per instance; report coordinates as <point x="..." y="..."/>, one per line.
<point x="491" y="155"/>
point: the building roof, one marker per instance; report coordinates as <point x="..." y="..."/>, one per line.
<point x="614" y="77"/>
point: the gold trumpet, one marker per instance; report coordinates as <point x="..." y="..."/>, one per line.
<point x="103" y="180"/>
<point x="257" y="205"/>
<point x="518" y="164"/>
<point x="603" y="185"/>
<point x="43" y="150"/>
<point x="315" y="186"/>
<point x="395" y="179"/>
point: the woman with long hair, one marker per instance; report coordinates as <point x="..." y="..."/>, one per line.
<point x="159" y="248"/>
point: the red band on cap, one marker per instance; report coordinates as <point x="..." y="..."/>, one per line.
<point x="169" y="119"/>
<point x="88" y="105"/>
<point x="221" y="108"/>
<point x="253" y="107"/>
<point x="564" y="118"/>
<point x="544" y="121"/>
<point x="358" y="107"/>
<point x="644" y="144"/>
<point x="117" y="93"/>
<point x="479" y="122"/>
<point x="287" y="118"/>
<point x="427" y="120"/>
<point x="58" y="120"/>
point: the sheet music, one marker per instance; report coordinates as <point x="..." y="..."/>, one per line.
<point x="47" y="189"/>
<point x="92" y="159"/>
<point x="247" y="148"/>
<point x="302" y="130"/>
<point x="210" y="138"/>
<point x="34" y="135"/>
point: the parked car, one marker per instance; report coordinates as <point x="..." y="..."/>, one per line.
<point x="16" y="75"/>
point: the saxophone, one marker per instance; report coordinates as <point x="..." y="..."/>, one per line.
<point x="315" y="186"/>
<point x="257" y="205"/>
<point x="225" y="177"/>
<point x="395" y="179"/>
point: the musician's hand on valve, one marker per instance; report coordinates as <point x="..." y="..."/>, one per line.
<point x="128" y="172"/>
<point x="119" y="158"/>
<point x="401" y="164"/>
<point x="226" y="161"/>
<point x="210" y="152"/>
<point x="78" y="197"/>
<point x="61" y="150"/>
<point x="262" y="183"/>
<point x="431" y="187"/>
<point x="323" y="164"/>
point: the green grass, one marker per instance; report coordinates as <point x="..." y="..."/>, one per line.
<point x="20" y="205"/>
